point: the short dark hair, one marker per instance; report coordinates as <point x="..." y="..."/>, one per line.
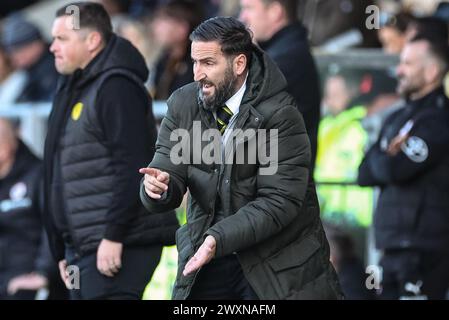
<point x="232" y="35"/>
<point x="92" y="15"/>
<point x="438" y="48"/>
<point x="290" y="7"/>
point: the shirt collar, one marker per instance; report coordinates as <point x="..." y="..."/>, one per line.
<point x="234" y="102"/>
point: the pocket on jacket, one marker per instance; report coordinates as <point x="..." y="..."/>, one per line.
<point x="317" y="289"/>
<point x="297" y="264"/>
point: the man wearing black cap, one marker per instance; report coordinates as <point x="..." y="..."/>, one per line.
<point x="23" y="42"/>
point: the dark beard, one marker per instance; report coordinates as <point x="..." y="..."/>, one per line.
<point x="223" y="91"/>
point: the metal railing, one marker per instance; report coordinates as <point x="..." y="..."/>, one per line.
<point x="33" y="121"/>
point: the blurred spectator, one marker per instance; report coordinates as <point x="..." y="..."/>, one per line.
<point x="420" y="7"/>
<point x="11" y="82"/>
<point x="350" y="268"/>
<point x="435" y="28"/>
<point x="410" y="163"/>
<point x="340" y="90"/>
<point x="275" y="27"/>
<point x="116" y="7"/>
<point x="135" y="32"/>
<point x="27" y="50"/>
<point x="341" y="142"/>
<point x="344" y="21"/>
<point x="431" y="26"/>
<point x="134" y="9"/>
<point x="172" y="26"/>
<point x="442" y="11"/>
<point x="6" y="7"/>
<point x="392" y="34"/>
<point x="26" y="265"/>
<point x="229" y="8"/>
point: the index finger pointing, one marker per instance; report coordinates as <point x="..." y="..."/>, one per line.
<point x="150" y="171"/>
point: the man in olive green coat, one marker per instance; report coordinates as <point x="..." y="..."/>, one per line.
<point x="236" y="140"/>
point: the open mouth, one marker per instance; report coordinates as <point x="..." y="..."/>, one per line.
<point x="206" y="88"/>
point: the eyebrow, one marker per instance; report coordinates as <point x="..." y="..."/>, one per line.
<point x="204" y="59"/>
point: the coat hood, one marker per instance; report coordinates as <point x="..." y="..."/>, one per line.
<point x="288" y="36"/>
<point x="265" y="79"/>
<point x="119" y="53"/>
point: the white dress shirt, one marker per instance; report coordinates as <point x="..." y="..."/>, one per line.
<point x="234" y="105"/>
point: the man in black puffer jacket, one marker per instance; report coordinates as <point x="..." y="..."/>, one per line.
<point x="410" y="163"/>
<point x="253" y="228"/>
<point x="101" y="130"/>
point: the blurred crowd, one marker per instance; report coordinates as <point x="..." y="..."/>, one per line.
<point x="345" y="112"/>
<point x="160" y="29"/>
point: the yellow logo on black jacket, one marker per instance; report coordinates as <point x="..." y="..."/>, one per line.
<point x="77" y="110"/>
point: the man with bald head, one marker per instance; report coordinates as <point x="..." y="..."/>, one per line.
<point x="25" y="261"/>
<point x="410" y="163"/>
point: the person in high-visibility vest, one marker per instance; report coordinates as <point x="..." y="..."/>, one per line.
<point x="341" y="142"/>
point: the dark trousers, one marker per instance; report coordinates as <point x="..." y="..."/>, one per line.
<point x="138" y="265"/>
<point x="404" y="271"/>
<point x="222" y="279"/>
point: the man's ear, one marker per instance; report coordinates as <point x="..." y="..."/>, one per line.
<point x="240" y="63"/>
<point x="432" y="72"/>
<point x="276" y="11"/>
<point x="94" y="41"/>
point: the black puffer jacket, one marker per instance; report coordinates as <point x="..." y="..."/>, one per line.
<point x="272" y="221"/>
<point x="23" y="245"/>
<point x="413" y="207"/>
<point x="289" y="49"/>
<point x="101" y="131"/>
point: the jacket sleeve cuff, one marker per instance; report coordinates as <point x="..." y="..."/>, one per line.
<point x="115" y="233"/>
<point x="219" y="247"/>
<point x="156" y="205"/>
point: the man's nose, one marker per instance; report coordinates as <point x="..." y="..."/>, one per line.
<point x="398" y="70"/>
<point x="198" y="74"/>
<point x="52" y="47"/>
